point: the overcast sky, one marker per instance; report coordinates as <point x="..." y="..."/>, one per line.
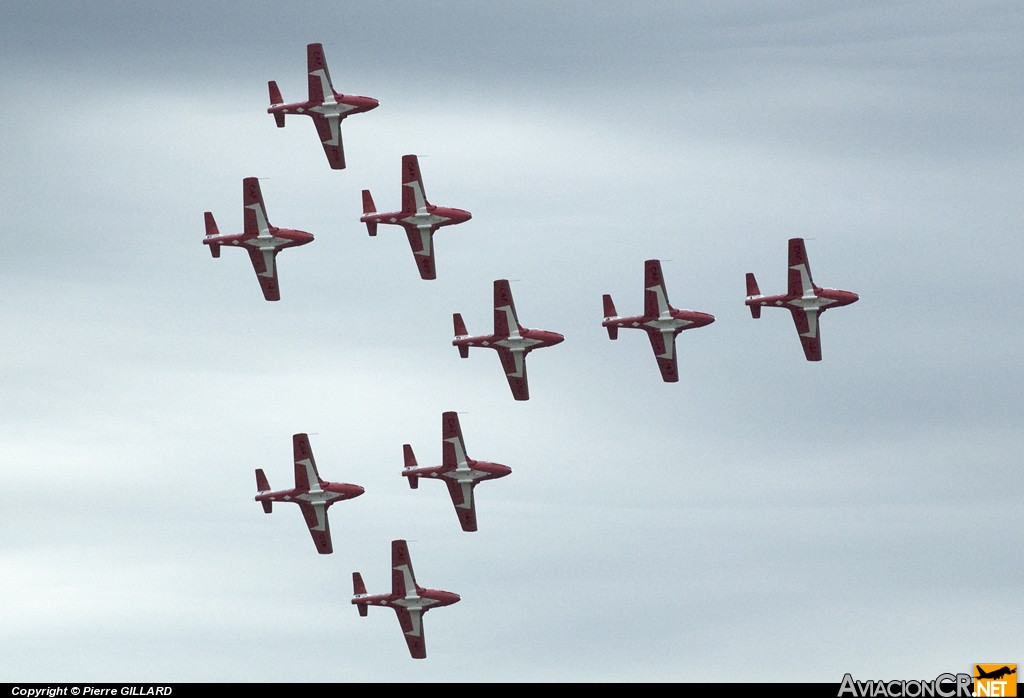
<point x="765" y="518"/>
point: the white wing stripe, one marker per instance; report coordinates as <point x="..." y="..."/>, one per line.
<point x="460" y="452"/>
<point x="812" y="322"/>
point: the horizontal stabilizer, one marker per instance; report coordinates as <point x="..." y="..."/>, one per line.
<point x="262" y="485"/>
<point x="369" y="208"/>
<point x="410" y="457"/>
<point x="275" y="94"/>
<point x="410" y="462"/>
<point x="275" y="99"/>
<point x="368" y="205"/>
<point x="752" y="291"/>
<point x="460" y="331"/>
<point x="211" y="225"/>
<point x="359" y="589"/>
<point x="211" y="229"/>
<point x="609" y="312"/>
<point x="609" y="306"/>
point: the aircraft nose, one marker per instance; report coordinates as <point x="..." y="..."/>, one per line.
<point x="371" y="103"/>
<point x="451" y="597"/>
<point x="357" y="490"/>
<point x="466" y="215"/>
<point x="503" y="470"/>
<point x="853" y="297"/>
<point x="707" y="319"/>
<point x="555" y="338"/>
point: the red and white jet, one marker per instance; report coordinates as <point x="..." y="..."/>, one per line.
<point x="313" y="495"/>
<point x="660" y="320"/>
<point x="408" y="598"/>
<point x="460" y="472"/>
<point x="418" y="216"/>
<point x="804" y="299"/>
<point x="511" y="340"/>
<point x="261" y="240"/>
<point x="326" y="107"/>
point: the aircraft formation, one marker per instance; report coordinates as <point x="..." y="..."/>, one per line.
<point x="511" y="340"/>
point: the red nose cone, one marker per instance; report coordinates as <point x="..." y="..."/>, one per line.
<point x="555" y="338"/>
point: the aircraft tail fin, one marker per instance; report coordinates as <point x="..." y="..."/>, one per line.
<point x="368" y="208"/>
<point x="410" y="462"/>
<point x="211" y="229"/>
<point x="753" y="290"/>
<point x="609" y="312"/>
<point x="359" y="589"/>
<point x="262" y="485"/>
<point x="275" y="99"/>
<point x="460" y="331"/>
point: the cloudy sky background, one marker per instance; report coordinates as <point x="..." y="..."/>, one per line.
<point x="763" y="519"/>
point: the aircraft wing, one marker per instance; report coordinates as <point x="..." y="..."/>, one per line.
<point x="403" y="579"/>
<point x="806" y="321"/>
<point x="306" y="473"/>
<point x="414" y="196"/>
<point x="411" y="620"/>
<point x="329" y="130"/>
<point x="319" y="77"/>
<point x="655" y="293"/>
<point x="421" y="240"/>
<point x="263" y="263"/>
<point x="319" y="526"/>
<point x="506" y="322"/>
<point x="465" y="506"/>
<point x="254" y="212"/>
<point x="664" y="346"/>
<point x="514" y="365"/>
<point x="800" y="283"/>
<point x="453" y="447"/>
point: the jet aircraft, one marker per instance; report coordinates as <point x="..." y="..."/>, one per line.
<point x="326" y="107"/>
<point x="409" y="600"/>
<point x="313" y="495"/>
<point x="660" y="320"/>
<point x="260" y="239"/>
<point x="995" y="674"/>
<point x="805" y="300"/>
<point x="419" y="217"/>
<point x="511" y="340"/>
<point x="460" y="472"/>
